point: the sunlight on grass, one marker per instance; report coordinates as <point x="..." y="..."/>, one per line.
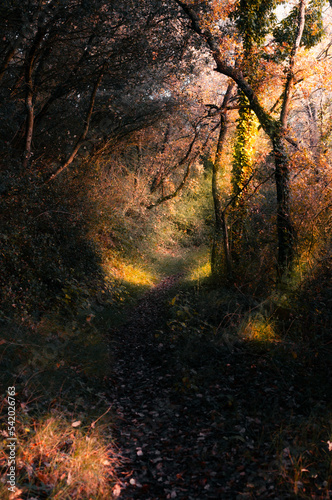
<point x="132" y="273"/>
<point x="58" y="459"/>
<point x="203" y="271"/>
<point x="258" y="328"/>
<point x="200" y="265"/>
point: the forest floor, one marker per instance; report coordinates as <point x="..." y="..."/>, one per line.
<point x="212" y="418"/>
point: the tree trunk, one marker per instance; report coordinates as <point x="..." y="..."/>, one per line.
<point x="285" y="228"/>
<point x="29" y="126"/>
<point x="221" y="262"/>
<point x="275" y="129"/>
<point x="29" y="93"/>
<point x="220" y="255"/>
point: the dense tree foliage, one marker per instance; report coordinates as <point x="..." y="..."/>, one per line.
<point x="83" y="82"/>
<point x="274" y="128"/>
<point x="190" y="139"/>
<point x="67" y="64"/>
<point x="125" y="93"/>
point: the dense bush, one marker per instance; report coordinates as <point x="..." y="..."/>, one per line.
<point x="44" y="244"/>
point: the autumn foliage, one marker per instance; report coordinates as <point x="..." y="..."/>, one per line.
<point x="145" y="139"/>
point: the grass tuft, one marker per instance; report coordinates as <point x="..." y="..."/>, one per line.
<point x="200" y="266"/>
<point x="258" y="328"/>
<point x="58" y="461"/>
<point x="306" y="462"/>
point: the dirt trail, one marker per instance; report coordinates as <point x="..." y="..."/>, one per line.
<point x="161" y="433"/>
<point x="214" y="441"/>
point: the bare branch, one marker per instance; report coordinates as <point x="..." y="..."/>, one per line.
<point x="268" y="123"/>
<point x="177" y="190"/>
<point x="86" y="128"/>
<point x="170" y="196"/>
<point x="290" y="76"/>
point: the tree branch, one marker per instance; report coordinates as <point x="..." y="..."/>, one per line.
<point x="268" y="123"/>
<point x="29" y="93"/>
<point x="290" y="76"/>
<point x="162" y="199"/>
<point x="86" y="128"/>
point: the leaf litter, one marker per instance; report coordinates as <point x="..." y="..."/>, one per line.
<point x="223" y="435"/>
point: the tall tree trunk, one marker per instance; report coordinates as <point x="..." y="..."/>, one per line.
<point x="221" y="262"/>
<point x="29" y="92"/>
<point x="275" y="129"/>
<point x="290" y="73"/>
<point x="241" y="172"/>
<point x="285" y="228"/>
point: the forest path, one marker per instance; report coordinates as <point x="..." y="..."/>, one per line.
<point x="174" y="441"/>
<point x="219" y="426"/>
<point x="161" y="433"/>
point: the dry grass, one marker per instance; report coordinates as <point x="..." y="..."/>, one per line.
<point x="57" y="460"/>
<point x="306" y="462"/>
<point x="118" y="268"/>
<point x="258" y="328"/>
<point x="200" y="265"/>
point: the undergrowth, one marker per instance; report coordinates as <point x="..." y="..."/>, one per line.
<point x="268" y="368"/>
<point x="75" y="262"/>
<point x="57" y="460"/>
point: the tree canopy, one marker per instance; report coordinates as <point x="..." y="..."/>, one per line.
<point x="165" y="222"/>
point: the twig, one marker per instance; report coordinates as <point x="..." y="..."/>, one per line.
<point x="93" y="424"/>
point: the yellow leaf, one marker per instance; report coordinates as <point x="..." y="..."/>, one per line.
<point x="173" y="300"/>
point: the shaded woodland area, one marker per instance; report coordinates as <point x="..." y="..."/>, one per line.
<point x="165" y="248"/>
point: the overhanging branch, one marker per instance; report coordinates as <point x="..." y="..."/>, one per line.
<point x="86" y="128"/>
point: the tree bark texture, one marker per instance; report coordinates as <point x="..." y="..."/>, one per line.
<point x="285" y="228"/>
<point x="290" y="75"/>
<point x="221" y="262"/>
<point x="29" y="92"/>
